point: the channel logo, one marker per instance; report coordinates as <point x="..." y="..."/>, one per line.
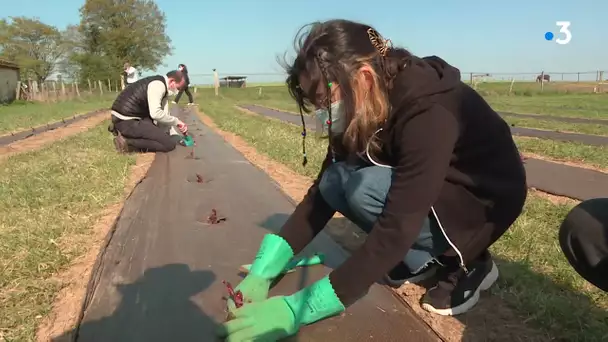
<point x="564" y="30"/>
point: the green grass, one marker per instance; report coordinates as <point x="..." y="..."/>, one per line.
<point x="536" y="279"/>
<point x="277" y="97"/>
<point x="596" y="156"/>
<point x="49" y="201"/>
<point x="22" y="115"/>
<point x="550" y="125"/>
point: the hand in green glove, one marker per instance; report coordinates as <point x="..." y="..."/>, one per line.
<point x="272" y="257"/>
<point x="280" y="317"/>
<point x="254" y="289"/>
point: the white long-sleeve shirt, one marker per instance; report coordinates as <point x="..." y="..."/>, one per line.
<point x="158" y="105"/>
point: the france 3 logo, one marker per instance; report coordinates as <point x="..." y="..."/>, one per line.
<point x="564" y="29"/>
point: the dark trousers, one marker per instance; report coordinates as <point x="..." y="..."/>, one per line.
<point x="144" y="136"/>
<point x="583" y="237"/>
<point x="359" y="193"/>
<point x="187" y="91"/>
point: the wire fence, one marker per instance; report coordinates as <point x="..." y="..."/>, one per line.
<point x="58" y="90"/>
<point x="583" y="81"/>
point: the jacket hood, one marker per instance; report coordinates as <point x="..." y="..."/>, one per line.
<point x="423" y="77"/>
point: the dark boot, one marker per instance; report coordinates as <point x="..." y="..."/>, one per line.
<point x="120" y="143"/>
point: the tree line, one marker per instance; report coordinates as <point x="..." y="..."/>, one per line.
<point x="110" y="33"/>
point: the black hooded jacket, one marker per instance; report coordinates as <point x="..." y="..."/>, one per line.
<point x="451" y="151"/>
<point x="186" y="77"/>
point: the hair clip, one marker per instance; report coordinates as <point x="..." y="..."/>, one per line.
<point x="380" y="44"/>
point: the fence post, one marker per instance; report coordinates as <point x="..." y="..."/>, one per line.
<point x="54" y="89"/>
<point x="542" y="81"/>
<point x="511" y="86"/>
<point x="31" y="90"/>
<point x="471" y="78"/>
<point x="578" y="77"/>
<point x="18" y="91"/>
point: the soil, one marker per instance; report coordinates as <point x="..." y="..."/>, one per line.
<point x="491" y="320"/>
<point x="67" y="304"/>
<point x="38" y="141"/>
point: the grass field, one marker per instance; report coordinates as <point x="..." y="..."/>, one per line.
<point x="596" y="156"/>
<point x="536" y="279"/>
<point x="22" y="115"/>
<point x="49" y="201"/>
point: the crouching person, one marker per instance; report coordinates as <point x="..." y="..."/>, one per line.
<point x="140" y="115"/>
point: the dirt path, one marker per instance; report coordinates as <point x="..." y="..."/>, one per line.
<point x="36" y="142"/>
<point x="67" y="305"/>
<point x="491" y="320"/>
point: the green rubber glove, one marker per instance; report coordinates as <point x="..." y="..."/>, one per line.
<point x="280" y="317"/>
<point x="272" y="257"/>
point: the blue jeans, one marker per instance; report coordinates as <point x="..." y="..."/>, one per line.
<point x="359" y="193"/>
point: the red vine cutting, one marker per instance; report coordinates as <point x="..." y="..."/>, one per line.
<point x="237" y="296"/>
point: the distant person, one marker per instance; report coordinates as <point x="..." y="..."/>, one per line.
<point x="130" y="74"/>
<point x="185" y="89"/>
<point x="583" y="237"/>
<point x="416" y="158"/>
<point x="138" y="107"/>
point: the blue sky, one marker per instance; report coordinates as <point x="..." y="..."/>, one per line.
<point x="244" y="36"/>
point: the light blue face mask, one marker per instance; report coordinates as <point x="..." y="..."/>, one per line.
<point x="337" y="117"/>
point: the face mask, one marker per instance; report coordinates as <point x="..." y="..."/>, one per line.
<point x="171" y="91"/>
<point x="337" y="117"/>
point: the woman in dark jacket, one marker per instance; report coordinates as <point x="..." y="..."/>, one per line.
<point x="185" y="88"/>
<point x="416" y="158"/>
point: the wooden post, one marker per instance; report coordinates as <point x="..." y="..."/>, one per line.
<point x="76" y="88"/>
<point x="18" y="91"/>
<point x="30" y="90"/>
<point x="44" y="93"/>
<point x="542" y="81"/>
<point x="578" y="77"/>
<point x="54" y="88"/>
<point x="90" y="88"/>
<point x="511" y="87"/>
<point x="100" y="87"/>
<point x="471" y="79"/>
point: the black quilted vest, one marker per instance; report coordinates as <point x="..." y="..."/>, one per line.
<point x="133" y="101"/>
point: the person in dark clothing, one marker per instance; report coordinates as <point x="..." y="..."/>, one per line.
<point x="140" y="115"/>
<point x="185" y="88"/>
<point x="416" y="158"/>
<point x="583" y="237"/>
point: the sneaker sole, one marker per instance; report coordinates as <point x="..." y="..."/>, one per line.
<point x="413" y="280"/>
<point x="487" y="282"/>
